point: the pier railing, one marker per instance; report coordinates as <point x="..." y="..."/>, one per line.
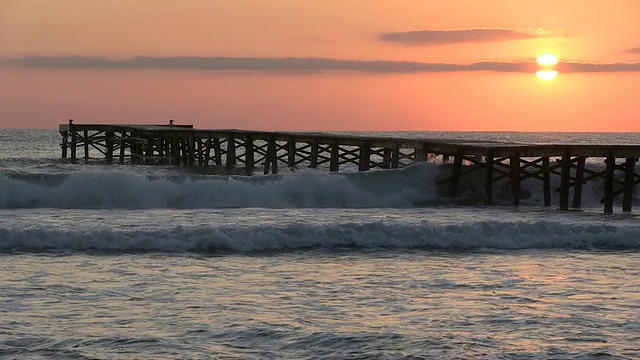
<point x="248" y="152"/>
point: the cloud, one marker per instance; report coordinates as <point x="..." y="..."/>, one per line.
<point x="297" y="65"/>
<point x="255" y="64"/>
<point x="575" y="67"/>
<point x="441" y="37"/>
<point x="633" y="51"/>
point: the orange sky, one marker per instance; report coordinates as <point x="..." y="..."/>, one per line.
<point x="244" y="75"/>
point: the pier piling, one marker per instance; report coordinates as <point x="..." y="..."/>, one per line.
<point x="565" y="180"/>
<point x="629" y="178"/>
<point x="515" y="178"/>
<point x="488" y="180"/>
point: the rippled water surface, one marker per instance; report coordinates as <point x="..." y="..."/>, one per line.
<point x="526" y="304"/>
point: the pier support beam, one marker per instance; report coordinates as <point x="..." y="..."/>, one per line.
<point x="191" y="148"/>
<point x="161" y="148"/>
<point x="455" y="173"/>
<point x="217" y="150"/>
<point x="386" y="158"/>
<point x="149" y="150"/>
<point x="231" y="154"/>
<point x="65" y="143"/>
<point x="488" y="180"/>
<point x="577" y="185"/>
<point x="291" y="153"/>
<point x="546" y="181"/>
<point x="85" y="133"/>
<point x="565" y="180"/>
<point x="395" y="155"/>
<point x="74" y="140"/>
<point x="248" y="155"/>
<point x="271" y="158"/>
<point x="514" y="162"/>
<point x="335" y="156"/>
<point x="313" y="157"/>
<point x="175" y="150"/>
<point x="629" y="177"/>
<point x="608" y="183"/>
<point x="109" y="146"/>
<point x="207" y="151"/>
<point x="365" y="157"/>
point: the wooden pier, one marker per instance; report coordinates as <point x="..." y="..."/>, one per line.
<point x="241" y="151"/>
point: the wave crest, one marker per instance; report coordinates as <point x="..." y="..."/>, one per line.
<point x="378" y="235"/>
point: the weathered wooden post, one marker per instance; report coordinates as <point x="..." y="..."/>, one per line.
<point x="167" y="149"/>
<point x="578" y="182"/>
<point x="86" y="144"/>
<point x="608" y="182"/>
<point x="271" y="157"/>
<point x="546" y="181"/>
<point x="135" y="147"/>
<point x="488" y="179"/>
<point x="629" y="177"/>
<point x="291" y="153"/>
<point x="231" y="153"/>
<point x="160" y="146"/>
<point x="109" y="134"/>
<point x="365" y="156"/>
<point x="207" y="150"/>
<point x="122" y="141"/>
<point x="335" y="153"/>
<point x="65" y="143"/>
<point x="565" y="180"/>
<point x="217" y="149"/>
<point x="386" y="158"/>
<point x="514" y="162"/>
<point x="74" y="140"/>
<point x="395" y="155"/>
<point x="175" y="149"/>
<point x="149" y="149"/>
<point x="273" y="151"/>
<point x="313" y="157"/>
<point x="249" y="155"/>
<point x="191" y="156"/>
<point x="200" y="151"/>
<point x="455" y="172"/>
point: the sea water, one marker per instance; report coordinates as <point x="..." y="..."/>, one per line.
<point x="130" y="262"/>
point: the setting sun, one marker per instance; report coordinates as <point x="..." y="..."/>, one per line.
<point x="547" y="60"/>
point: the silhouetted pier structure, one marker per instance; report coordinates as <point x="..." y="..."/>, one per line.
<point x="241" y="151"/>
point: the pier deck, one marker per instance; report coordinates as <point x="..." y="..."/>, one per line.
<point x="249" y="151"/>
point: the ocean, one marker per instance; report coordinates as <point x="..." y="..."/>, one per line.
<point x="158" y="262"/>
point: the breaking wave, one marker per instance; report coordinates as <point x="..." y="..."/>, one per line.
<point x="377" y="235"/>
<point x="307" y="189"/>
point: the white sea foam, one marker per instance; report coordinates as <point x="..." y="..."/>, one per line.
<point x="105" y="188"/>
<point x="124" y="189"/>
<point x="211" y="239"/>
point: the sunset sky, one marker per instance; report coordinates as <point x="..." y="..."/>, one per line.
<point x="321" y="65"/>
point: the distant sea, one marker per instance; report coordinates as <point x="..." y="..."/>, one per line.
<point x="157" y="262"/>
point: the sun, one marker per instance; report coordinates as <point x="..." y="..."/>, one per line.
<point x="547" y="60"/>
<point x="547" y="63"/>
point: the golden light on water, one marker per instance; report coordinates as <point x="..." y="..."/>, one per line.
<point x="547" y="74"/>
